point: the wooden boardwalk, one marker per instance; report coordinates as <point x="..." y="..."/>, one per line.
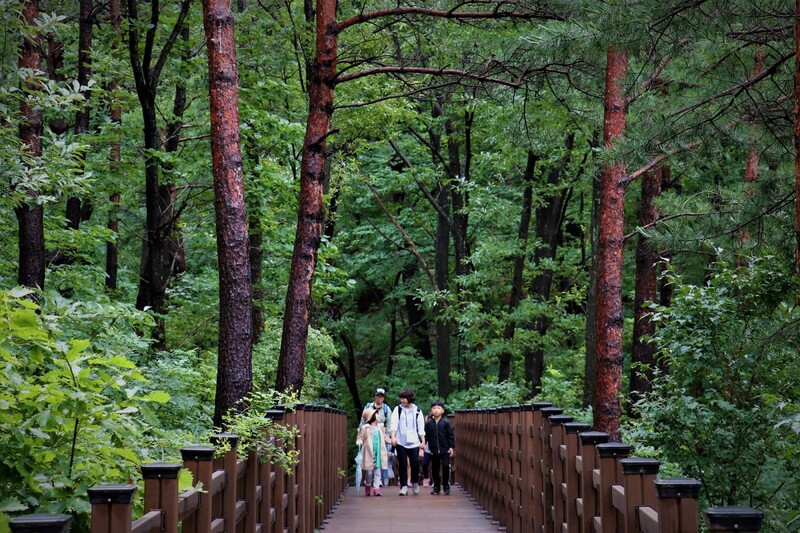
<point x="392" y="513"/>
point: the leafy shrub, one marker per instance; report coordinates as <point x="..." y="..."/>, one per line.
<point x="68" y="413"/>
<point x="731" y="350"/>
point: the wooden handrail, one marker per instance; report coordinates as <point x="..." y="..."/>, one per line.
<point x="230" y="494"/>
<point x="533" y="469"/>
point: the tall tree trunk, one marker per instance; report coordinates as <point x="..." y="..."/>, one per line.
<point x="442" y="268"/>
<point x="174" y="251"/>
<point x="256" y="233"/>
<point x="549" y="220"/>
<point x="234" y="373"/>
<point x="30" y="215"/>
<point x="609" y="318"/>
<point x="76" y="209"/>
<point x="643" y="351"/>
<point x="115" y="155"/>
<point x="797" y="134"/>
<point x="54" y="63"/>
<point x="417" y="321"/>
<point x="751" y="164"/>
<point x="590" y="363"/>
<point x="146" y="73"/>
<point x="349" y="372"/>
<point x="311" y="211"/>
<point x="504" y="370"/>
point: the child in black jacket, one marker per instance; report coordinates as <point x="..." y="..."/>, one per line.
<point x="441" y="442"/>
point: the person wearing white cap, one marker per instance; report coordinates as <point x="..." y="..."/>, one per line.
<point x="384" y="414"/>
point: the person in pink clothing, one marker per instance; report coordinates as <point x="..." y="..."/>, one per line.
<point x="374" y="457"/>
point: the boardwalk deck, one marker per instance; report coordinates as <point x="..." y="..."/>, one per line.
<point x="392" y="513"/>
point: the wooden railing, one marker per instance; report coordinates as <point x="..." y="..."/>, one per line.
<point x="235" y="495"/>
<point x="530" y="468"/>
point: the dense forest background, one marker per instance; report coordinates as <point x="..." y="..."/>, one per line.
<point x="490" y="202"/>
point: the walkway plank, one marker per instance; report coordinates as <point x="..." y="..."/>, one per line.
<point x="392" y="513"/>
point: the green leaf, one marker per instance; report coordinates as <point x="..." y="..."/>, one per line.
<point x="12" y="505"/>
<point x="157" y="396"/>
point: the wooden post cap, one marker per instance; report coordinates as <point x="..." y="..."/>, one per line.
<point x="538" y="406"/>
<point x="551" y="411"/>
<point x="640" y="465"/>
<point x="733" y="518"/>
<point x="233" y="440"/>
<point x="593" y="437"/>
<point x="557" y="420"/>
<point x="677" y="487"/>
<point x="275" y="414"/>
<point x="614" y="449"/>
<point x="577" y="427"/>
<point x="111" y="493"/>
<point x="41" y="523"/>
<point x="161" y="470"/>
<point x="197" y="453"/>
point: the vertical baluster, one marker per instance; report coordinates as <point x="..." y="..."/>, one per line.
<point x="161" y="492"/>
<point x="571" y="490"/>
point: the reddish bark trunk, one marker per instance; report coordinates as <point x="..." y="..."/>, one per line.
<point x="751" y="165"/>
<point x="609" y="318"/>
<point x="643" y="352"/>
<point x="115" y="155"/>
<point x="311" y="211"/>
<point x="30" y="216"/>
<point x="234" y="374"/>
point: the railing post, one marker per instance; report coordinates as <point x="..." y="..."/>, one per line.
<point x="587" y="504"/>
<point x="677" y="504"/>
<point x="537" y="477"/>
<point x="41" y="523"/>
<point x="733" y="519"/>
<point x="546" y="466"/>
<point x="112" y="508"/>
<point x="229" y="461"/>
<point x="199" y="460"/>
<point x="639" y="474"/>
<point x="516" y="469"/>
<point x="279" y="498"/>
<point x="571" y="489"/>
<point x="558" y="439"/>
<point x="161" y="492"/>
<point x="609" y="454"/>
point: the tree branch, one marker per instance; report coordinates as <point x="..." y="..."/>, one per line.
<point x="421" y="185"/>
<point x="425" y="70"/>
<point x="653" y="162"/>
<point x="451" y="14"/>
<point x="408" y="240"/>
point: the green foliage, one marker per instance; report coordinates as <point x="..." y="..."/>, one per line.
<point x="274" y="441"/>
<point x="319" y="361"/>
<point x="68" y="412"/>
<point x="731" y="348"/>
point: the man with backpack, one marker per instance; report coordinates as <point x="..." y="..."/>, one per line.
<point x="384" y="414"/>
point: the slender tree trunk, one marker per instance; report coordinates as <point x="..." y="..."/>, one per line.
<point x="417" y="321"/>
<point x="797" y="133"/>
<point x="146" y="72"/>
<point x="643" y="351"/>
<point x="349" y="372"/>
<point x="311" y="212"/>
<point x="549" y="220"/>
<point x="54" y="62"/>
<point x="256" y="232"/>
<point x="115" y="155"/>
<point x="590" y="364"/>
<point x="609" y="318"/>
<point x="504" y="371"/>
<point x="234" y="374"/>
<point x="751" y="165"/>
<point x="76" y="209"/>
<point x="30" y="216"/>
<point x="174" y="251"/>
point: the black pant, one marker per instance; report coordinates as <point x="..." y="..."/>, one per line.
<point x="404" y="455"/>
<point x="441" y="478"/>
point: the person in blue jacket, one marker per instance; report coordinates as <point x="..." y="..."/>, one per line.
<point x="441" y="442"/>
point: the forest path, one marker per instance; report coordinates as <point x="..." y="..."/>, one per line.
<point x="392" y="513"/>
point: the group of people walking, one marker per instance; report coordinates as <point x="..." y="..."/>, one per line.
<point x="407" y="433"/>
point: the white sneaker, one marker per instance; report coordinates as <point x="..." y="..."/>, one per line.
<point x="415" y="488"/>
<point x="403" y="491"/>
